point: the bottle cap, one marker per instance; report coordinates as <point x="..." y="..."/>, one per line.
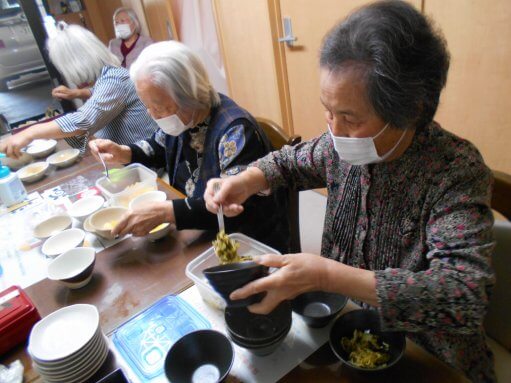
<point x="4" y="170"/>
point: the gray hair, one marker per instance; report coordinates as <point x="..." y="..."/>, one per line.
<point x="175" y="68"/>
<point x="131" y="13"/>
<point x="403" y="59"/>
<point x="78" y="54"/>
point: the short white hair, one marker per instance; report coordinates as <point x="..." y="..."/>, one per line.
<point x="176" y="69"/>
<point x="131" y="13"/>
<point x="78" y="54"/>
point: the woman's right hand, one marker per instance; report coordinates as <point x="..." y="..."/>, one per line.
<point x="229" y="192"/>
<point x="64" y="93"/>
<point x="110" y="151"/>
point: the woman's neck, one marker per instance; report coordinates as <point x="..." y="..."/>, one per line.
<point x="131" y="40"/>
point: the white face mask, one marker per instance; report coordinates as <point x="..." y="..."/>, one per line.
<point x="361" y="151"/>
<point x="172" y="125"/>
<point x="123" y="31"/>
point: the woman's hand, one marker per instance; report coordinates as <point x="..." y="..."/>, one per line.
<point x="12" y="145"/>
<point x="110" y="151"/>
<point x="297" y="274"/>
<point x="142" y="220"/>
<point x="64" y="93"/>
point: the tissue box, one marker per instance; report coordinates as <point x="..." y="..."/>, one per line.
<point x="17" y="316"/>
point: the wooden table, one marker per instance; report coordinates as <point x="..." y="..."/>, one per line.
<point x="134" y="273"/>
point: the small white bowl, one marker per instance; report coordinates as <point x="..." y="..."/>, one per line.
<point x="152" y="196"/>
<point x="15" y="164"/>
<point x="41" y="148"/>
<point x="63" y="241"/>
<point x="74" y="267"/>
<point x="158" y="232"/>
<point x="104" y="220"/>
<point x="33" y="172"/>
<point x="64" y="158"/>
<point x="52" y="225"/>
<point x="86" y="206"/>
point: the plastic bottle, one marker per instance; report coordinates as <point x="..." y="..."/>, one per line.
<point x="12" y="190"/>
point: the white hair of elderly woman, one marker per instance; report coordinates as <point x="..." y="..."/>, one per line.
<point x="175" y="68"/>
<point x="133" y="16"/>
<point x="78" y="54"/>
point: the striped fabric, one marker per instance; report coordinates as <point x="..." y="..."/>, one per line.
<point x="114" y="111"/>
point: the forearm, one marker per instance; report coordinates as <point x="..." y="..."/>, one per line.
<point x="48" y="130"/>
<point x="83" y="94"/>
<point x="254" y="180"/>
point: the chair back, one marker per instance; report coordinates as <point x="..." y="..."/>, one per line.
<point x="498" y="319"/>
<point x="278" y="139"/>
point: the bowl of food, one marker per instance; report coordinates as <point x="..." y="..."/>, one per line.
<point x="64" y="158"/>
<point x="15" y="164"/>
<point x="159" y="232"/>
<point x="74" y="267"/>
<point x="357" y="340"/>
<point x="204" y="356"/>
<point x="41" y="148"/>
<point x="147" y="198"/>
<point x="318" y="308"/>
<point x="52" y="225"/>
<point x="63" y="241"/>
<point x="84" y="207"/>
<point x="103" y="221"/>
<point x="33" y="172"/>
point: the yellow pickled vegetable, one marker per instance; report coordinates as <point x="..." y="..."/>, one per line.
<point x="365" y="350"/>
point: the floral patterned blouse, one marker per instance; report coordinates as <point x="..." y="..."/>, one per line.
<point x="423" y="223"/>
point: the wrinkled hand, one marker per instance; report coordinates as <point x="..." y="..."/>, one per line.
<point x="64" y="93"/>
<point x="297" y="274"/>
<point x="110" y="151"/>
<point x="12" y="145"/>
<point x="145" y="218"/>
<point x="231" y="194"/>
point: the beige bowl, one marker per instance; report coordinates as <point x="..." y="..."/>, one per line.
<point x="152" y="196"/>
<point x="15" y="164"/>
<point x="64" y="158"/>
<point x="52" y="225"/>
<point x="33" y="172"/>
<point x="74" y="267"/>
<point x="41" y="148"/>
<point x="159" y="232"/>
<point x="104" y="220"/>
<point x="62" y="242"/>
<point x="86" y="206"/>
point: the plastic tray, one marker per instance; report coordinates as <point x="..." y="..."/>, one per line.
<point x="145" y="339"/>
<point x="127" y="183"/>
<point x="248" y="246"/>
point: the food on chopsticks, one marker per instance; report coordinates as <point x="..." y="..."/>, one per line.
<point x="158" y="228"/>
<point x="366" y="350"/>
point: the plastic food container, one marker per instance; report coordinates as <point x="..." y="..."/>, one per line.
<point x="145" y="339"/>
<point x="248" y="246"/>
<point x="127" y="183"/>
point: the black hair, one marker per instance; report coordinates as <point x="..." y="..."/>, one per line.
<point x="403" y="58"/>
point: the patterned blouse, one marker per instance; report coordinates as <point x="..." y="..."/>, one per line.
<point x="423" y="223"/>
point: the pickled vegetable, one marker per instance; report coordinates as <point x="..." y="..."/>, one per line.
<point x="366" y="350"/>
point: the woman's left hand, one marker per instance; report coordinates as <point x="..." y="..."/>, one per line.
<point x="297" y="274"/>
<point x="142" y="220"/>
<point x="12" y="145"/>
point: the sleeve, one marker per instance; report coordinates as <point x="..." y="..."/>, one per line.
<point x="301" y="166"/>
<point x="150" y="152"/>
<point x="452" y="293"/>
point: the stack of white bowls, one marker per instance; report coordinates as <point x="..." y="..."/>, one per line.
<point x="68" y="345"/>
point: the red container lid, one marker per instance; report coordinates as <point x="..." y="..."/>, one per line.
<point x="15" y="306"/>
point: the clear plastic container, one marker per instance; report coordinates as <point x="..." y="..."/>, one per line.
<point x="145" y="339"/>
<point x="127" y="183"/>
<point x="248" y="246"/>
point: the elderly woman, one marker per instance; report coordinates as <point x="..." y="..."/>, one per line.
<point x="113" y="111"/>
<point x="128" y="42"/>
<point x="202" y="135"/>
<point x="408" y="223"/>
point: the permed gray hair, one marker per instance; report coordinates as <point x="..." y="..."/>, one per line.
<point x="131" y="13"/>
<point x="175" y="68"/>
<point x="78" y="54"/>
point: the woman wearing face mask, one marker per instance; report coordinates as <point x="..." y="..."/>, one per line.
<point x="128" y="42"/>
<point x="202" y="135"/>
<point x="113" y="109"/>
<point x="408" y="223"/>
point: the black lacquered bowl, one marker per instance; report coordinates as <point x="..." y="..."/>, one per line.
<point x="318" y="308"/>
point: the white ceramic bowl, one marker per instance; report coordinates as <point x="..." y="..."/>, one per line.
<point x="63" y="158"/>
<point x="74" y="267"/>
<point x="152" y="196"/>
<point x="33" y="172"/>
<point x="104" y="220"/>
<point x="52" y="225"/>
<point x="63" y="241"/>
<point x="15" y="164"/>
<point x="86" y="206"/>
<point x="159" y="232"/>
<point x="41" y="148"/>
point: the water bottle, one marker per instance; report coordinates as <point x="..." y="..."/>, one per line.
<point x="12" y="190"/>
